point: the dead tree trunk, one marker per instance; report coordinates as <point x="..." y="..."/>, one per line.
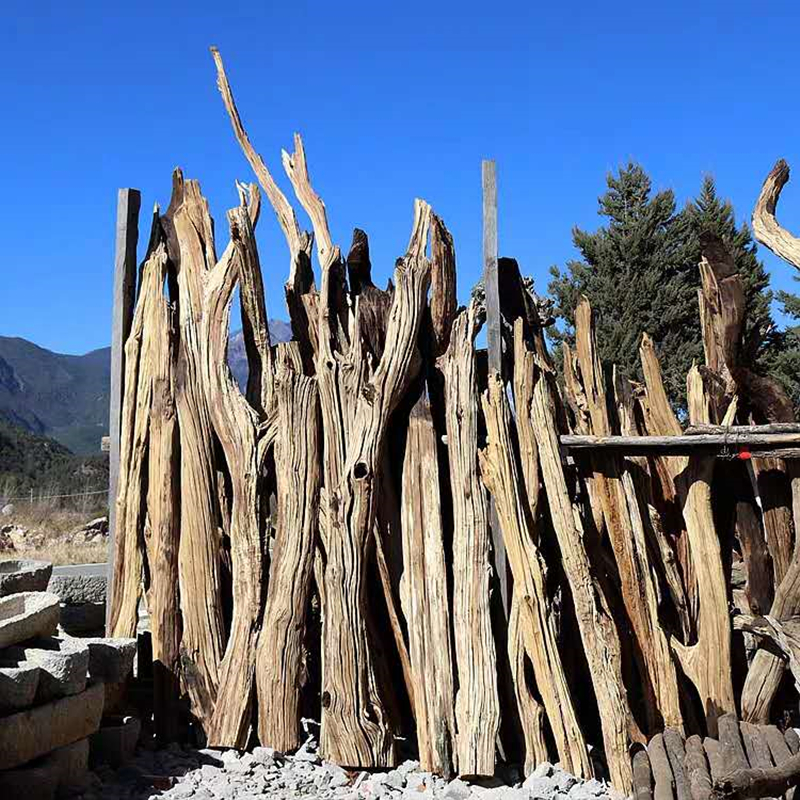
<point x="161" y="531"/>
<point x="598" y="631"/>
<point x="235" y="423"/>
<point x="625" y="530"/>
<point x="424" y="596"/>
<point x="190" y="238"/>
<point x="477" y="701"/>
<point x="134" y="433"/>
<point x="279" y="665"/>
<point x="501" y="473"/>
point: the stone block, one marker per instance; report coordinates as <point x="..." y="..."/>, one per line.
<point x="27" y="615"/>
<point x="29" y="734"/>
<point x="72" y="762"/>
<point x="76" y="590"/>
<point x="110" y="660"/>
<point x="19" y="681"/>
<point x="83" y="619"/>
<point x="24" y="575"/>
<point x="115" y="742"/>
<point x="36" y="781"/>
<point x="63" y="664"/>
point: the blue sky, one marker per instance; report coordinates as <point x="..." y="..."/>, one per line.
<point x="393" y="101"/>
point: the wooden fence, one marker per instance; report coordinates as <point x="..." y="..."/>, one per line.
<point x="322" y="543"/>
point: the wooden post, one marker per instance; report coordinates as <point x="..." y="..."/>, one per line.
<point x="127" y="237"/>
<point x="494" y="342"/>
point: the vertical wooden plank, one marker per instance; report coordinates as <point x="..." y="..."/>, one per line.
<point x="127" y="237"/>
<point x="494" y="343"/>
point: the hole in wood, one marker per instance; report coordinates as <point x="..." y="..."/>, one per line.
<point x="360" y="471"/>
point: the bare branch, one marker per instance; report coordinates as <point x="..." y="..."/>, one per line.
<point x="766" y="227"/>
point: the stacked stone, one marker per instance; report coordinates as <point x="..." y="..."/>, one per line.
<point x="52" y="688"/>
<point x="83" y="603"/>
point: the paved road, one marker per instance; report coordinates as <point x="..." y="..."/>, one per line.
<point x="81" y="569"/>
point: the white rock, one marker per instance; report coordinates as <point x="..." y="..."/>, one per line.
<point x="456" y="790"/>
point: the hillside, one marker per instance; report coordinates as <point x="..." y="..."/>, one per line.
<point x="32" y="461"/>
<point x="65" y="397"/>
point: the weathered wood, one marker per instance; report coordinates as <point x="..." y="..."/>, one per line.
<point x="770" y="782"/>
<point x="733" y="751"/>
<point x="674" y="745"/>
<point x="715" y="758"/>
<point x="697" y="771"/>
<point x="755" y="745"/>
<point x="161" y="531"/>
<point x="502" y="475"/>
<point x="424" y="595"/>
<point x="190" y="239"/>
<point x="477" y="701"/>
<point x="126" y="238"/>
<point x="598" y="631"/>
<point x="279" y="657"/>
<point x="642" y="776"/>
<point x="126" y="587"/>
<point x="792" y="740"/>
<point x="663" y="781"/>
<point x="766" y="227"/>
<point x="683" y="445"/>
<point x="614" y="492"/>
<point x="494" y="343"/>
<point x="707" y="663"/>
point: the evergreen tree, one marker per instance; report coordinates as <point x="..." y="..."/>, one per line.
<point x="710" y="214"/>
<point x="782" y="358"/>
<point x="639" y="274"/>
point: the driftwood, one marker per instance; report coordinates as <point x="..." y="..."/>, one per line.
<point x="663" y="781"/>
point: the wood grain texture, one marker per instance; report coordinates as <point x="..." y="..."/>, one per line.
<point x="477" y="701"/>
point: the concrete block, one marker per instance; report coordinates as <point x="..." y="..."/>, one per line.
<point x="27" y="615"/>
<point x="115" y="742"/>
<point x="76" y="590"/>
<point x="24" y="575"/>
<point x="19" y="681"/>
<point x="111" y="660"/>
<point x="29" y="734"/>
<point x="63" y="664"/>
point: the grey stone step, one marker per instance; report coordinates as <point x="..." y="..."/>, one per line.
<point x="64" y="663"/>
<point x="30" y="734"/>
<point x="24" y="575"/>
<point x="27" y="615"/>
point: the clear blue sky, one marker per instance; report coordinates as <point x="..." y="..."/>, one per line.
<point x="394" y="101"/>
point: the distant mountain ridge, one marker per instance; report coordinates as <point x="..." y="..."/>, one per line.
<point x="65" y="397"/>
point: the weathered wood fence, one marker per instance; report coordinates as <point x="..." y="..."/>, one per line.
<point x="322" y="542"/>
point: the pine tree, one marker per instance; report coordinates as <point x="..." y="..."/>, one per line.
<point x="708" y="213"/>
<point x="640" y="275"/>
<point x="782" y="358"/>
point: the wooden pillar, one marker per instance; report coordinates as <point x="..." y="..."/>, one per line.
<point x="127" y="237"/>
<point x="494" y="343"/>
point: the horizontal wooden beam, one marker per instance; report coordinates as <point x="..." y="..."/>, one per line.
<point x="732" y="441"/>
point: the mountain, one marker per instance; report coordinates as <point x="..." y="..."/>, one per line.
<point x="30" y="461"/>
<point x="66" y="397"/>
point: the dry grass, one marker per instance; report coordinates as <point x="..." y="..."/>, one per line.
<point x="49" y="526"/>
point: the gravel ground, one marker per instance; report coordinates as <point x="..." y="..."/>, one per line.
<point x="188" y="774"/>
